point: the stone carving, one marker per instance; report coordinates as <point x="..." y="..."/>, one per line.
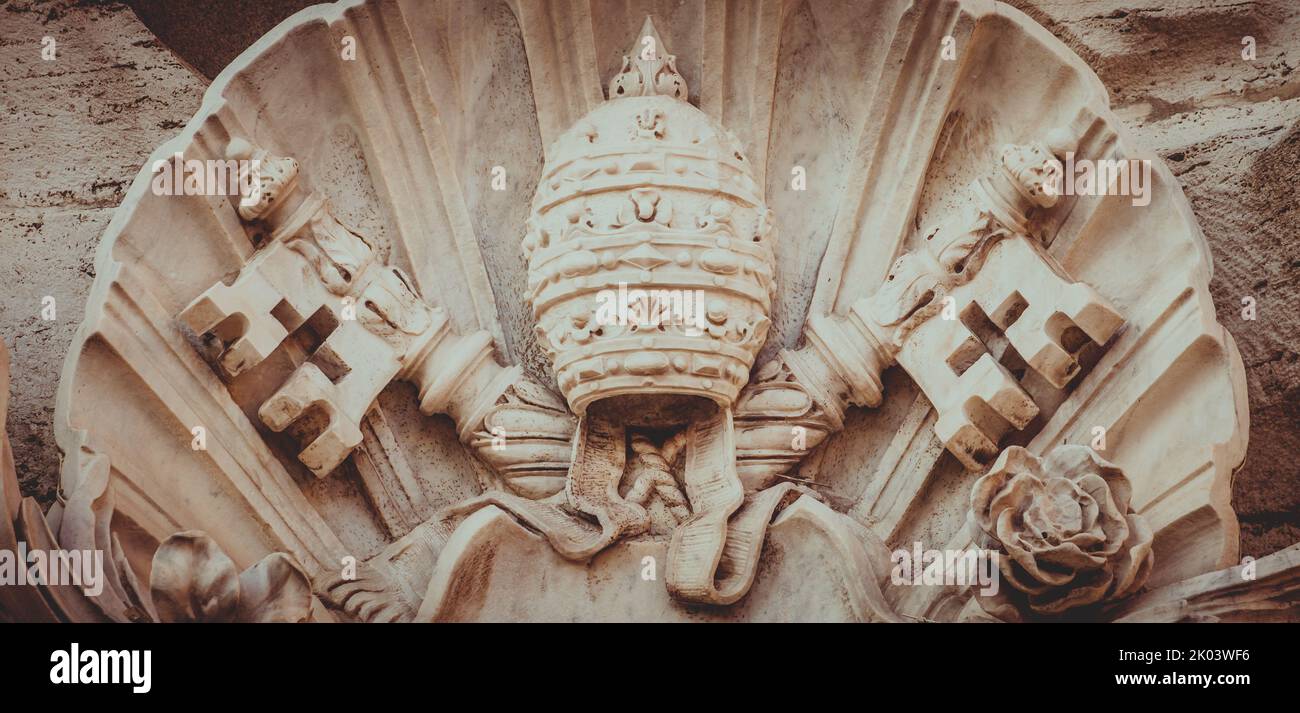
<point x="596" y="229"/>
<point x="645" y="73"/>
<point x="371" y="327"/>
<point x="672" y="239"/>
<point x="363" y="312"/>
<point x="1065" y="525"/>
<point x="1010" y="307"/>
<point x="1267" y="589"/>
<point x="539" y="430"/>
<point x="665" y="220"/>
<point x="632" y="421"/>
<point x="778" y="422"/>
<point x="192" y="580"/>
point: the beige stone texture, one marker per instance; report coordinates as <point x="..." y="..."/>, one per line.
<point x="363" y="368"/>
<point x="75" y="130"/>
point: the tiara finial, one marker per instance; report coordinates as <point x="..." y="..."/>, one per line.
<point x="648" y="69"/>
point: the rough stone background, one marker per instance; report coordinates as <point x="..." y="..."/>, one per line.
<point x="128" y="75"/>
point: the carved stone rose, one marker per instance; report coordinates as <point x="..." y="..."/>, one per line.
<point x="1064" y="524"/>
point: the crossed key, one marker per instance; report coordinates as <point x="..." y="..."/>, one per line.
<point x="1029" y="315"/>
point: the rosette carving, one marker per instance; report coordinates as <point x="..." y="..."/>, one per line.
<point x="1065" y="526"/>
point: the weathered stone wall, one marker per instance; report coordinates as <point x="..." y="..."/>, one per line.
<point x="75" y="132"/>
<point x="77" y="129"/>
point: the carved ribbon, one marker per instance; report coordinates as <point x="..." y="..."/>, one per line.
<point x="714" y="490"/>
<point x="713" y="555"/>
<point x="599" y="458"/>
